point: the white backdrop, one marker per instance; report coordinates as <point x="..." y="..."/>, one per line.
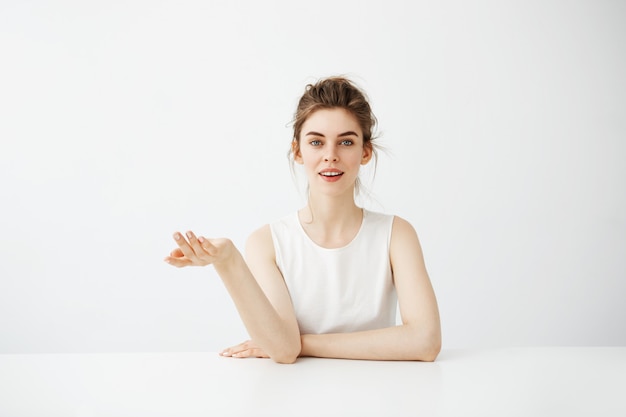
<point x="124" y="121"/>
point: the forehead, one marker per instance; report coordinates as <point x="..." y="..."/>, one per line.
<point x="331" y="122"/>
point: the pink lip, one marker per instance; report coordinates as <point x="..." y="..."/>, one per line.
<point x="331" y="178"/>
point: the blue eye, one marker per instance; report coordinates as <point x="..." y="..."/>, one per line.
<point x="347" y="142"/>
<point x="316" y="142"/>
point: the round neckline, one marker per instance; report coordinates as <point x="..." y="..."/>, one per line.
<point x="314" y="243"/>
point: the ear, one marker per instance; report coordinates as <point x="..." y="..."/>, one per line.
<point x="367" y="153"/>
<point x="295" y="150"/>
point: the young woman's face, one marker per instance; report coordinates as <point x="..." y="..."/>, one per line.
<point x="331" y="150"/>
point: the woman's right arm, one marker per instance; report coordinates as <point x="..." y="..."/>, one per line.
<point x="255" y="285"/>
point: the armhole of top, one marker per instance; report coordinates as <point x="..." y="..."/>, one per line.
<point x="390" y="233"/>
<point x="277" y="253"/>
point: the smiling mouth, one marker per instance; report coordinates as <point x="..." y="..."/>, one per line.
<point x="331" y="174"/>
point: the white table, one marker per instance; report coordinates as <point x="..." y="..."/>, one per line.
<point x="564" y="381"/>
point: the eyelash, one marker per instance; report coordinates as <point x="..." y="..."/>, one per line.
<point x="345" y="142"/>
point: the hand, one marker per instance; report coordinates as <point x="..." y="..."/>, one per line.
<point x="247" y="349"/>
<point x="199" y="251"/>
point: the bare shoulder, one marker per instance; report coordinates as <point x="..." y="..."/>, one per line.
<point x="404" y="240"/>
<point x="402" y="229"/>
<point x="260" y="244"/>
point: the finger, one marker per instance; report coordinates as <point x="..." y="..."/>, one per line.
<point x="185" y="248"/>
<point x="248" y="353"/>
<point x="207" y="246"/>
<point x="177" y="253"/>
<point x="240" y="354"/>
<point x="229" y="351"/>
<point x="178" y="262"/>
<point x="195" y="244"/>
<point x="226" y="352"/>
<point x="261" y="354"/>
<point x="247" y="349"/>
<point x="177" y="258"/>
<point x="251" y="353"/>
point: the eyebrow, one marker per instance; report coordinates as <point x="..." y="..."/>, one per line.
<point x="341" y="135"/>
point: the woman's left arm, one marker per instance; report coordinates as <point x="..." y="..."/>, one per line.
<point x="419" y="335"/>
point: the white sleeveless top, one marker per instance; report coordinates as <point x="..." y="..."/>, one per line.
<point x="339" y="290"/>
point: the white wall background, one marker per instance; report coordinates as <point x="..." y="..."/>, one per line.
<point x="123" y="121"/>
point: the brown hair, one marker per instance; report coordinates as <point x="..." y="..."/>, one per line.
<point x="335" y="92"/>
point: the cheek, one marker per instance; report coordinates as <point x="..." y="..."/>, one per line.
<point x="309" y="157"/>
<point x="353" y="158"/>
<point x="307" y="162"/>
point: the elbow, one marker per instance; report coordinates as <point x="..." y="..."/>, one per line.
<point x="288" y="355"/>
<point x="431" y="349"/>
<point x="285" y="360"/>
<point x="430" y="353"/>
<point x="426" y="348"/>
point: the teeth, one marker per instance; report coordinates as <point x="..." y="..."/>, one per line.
<point x="330" y="174"/>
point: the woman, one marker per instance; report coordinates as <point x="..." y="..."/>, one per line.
<point x="326" y="280"/>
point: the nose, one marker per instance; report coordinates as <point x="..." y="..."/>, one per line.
<point x="331" y="155"/>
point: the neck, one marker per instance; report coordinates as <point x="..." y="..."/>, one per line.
<point x="331" y="222"/>
<point x="332" y="213"/>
